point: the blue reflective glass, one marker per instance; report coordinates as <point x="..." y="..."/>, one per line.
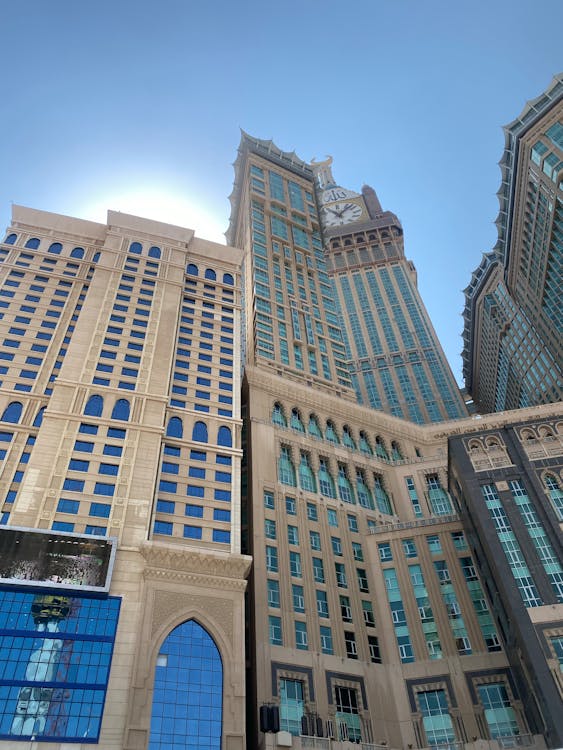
<point x="188" y="689"/>
<point x="53" y="681"/>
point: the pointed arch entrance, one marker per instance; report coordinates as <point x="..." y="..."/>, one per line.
<point x="187" y="705"/>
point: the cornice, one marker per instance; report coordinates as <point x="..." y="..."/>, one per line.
<point x="203" y="567"/>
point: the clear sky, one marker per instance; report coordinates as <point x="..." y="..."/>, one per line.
<point x="136" y="106"/>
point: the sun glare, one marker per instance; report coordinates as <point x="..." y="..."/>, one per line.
<point x="160" y="206"/>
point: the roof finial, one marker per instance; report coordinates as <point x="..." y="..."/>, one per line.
<point x="323" y="173"/>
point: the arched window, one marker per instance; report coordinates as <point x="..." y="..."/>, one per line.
<point x="396" y="452"/>
<point x="365" y="498"/>
<point x="210" y="274"/>
<point x="546" y="432"/>
<point x="121" y="410"/>
<point x="12" y="413"/>
<point x="347" y="438"/>
<point x="175" y="428"/>
<point x="326" y="482"/>
<point x="94" y="406"/>
<point x="228" y="279"/>
<point x="10" y="239"/>
<point x="306" y="476"/>
<point x="32" y="243"/>
<point x="37" y="422"/>
<point x="330" y="434"/>
<point x="55" y="248"/>
<point x="295" y="422"/>
<point x="345" y="490"/>
<point x="154" y="252"/>
<point x="199" y="432"/>
<point x="365" y="447"/>
<point x="313" y="427"/>
<point x="136" y="247"/>
<point x="381" y="496"/>
<point x="380" y="449"/>
<point x="286" y="470"/>
<point x="278" y="417"/>
<point x="188" y="691"/>
<point x="192" y="270"/>
<point x="555" y="493"/>
<point x="77" y="252"/>
<point x="224" y="437"/>
<point x="96" y="258"/>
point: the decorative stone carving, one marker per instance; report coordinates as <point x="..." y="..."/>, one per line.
<point x="169" y="603"/>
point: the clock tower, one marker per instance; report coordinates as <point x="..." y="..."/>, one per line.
<point x="396" y="362"/>
<point x="338" y="206"/>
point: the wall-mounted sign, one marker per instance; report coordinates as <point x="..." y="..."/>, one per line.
<point x="53" y="559"/>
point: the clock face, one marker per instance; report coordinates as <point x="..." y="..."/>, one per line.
<point x="336" y="194"/>
<point x="340" y="213"/>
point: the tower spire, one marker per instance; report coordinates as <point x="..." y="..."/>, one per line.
<point x="323" y="173"/>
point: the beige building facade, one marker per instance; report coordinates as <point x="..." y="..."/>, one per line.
<point x="120" y="413"/>
<point x="369" y="621"/>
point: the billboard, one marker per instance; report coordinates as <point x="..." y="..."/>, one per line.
<point x="53" y="559"/>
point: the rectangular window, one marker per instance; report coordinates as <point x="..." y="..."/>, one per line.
<point x="271" y="559"/>
<point x="295" y="564"/>
<point x="301" y="639"/>
<point x="340" y="571"/>
<point x="273" y="594"/>
<point x="275" y="630"/>
<point x="318" y="570"/>
<point x="322" y="603"/>
<point x="298" y="598"/>
<point x="326" y="640"/>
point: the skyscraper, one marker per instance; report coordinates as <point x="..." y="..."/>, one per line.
<point x="397" y="363"/>
<point x="122" y="580"/>
<point x="513" y="317"/>
<point x="368" y="619"/>
<point x="368" y="328"/>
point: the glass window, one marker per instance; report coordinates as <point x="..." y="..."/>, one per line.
<point x="295" y="564"/>
<point x="273" y="593"/>
<point x="499" y="714"/>
<point x="291" y="706"/>
<point x="347" y="712"/>
<point x="409" y="548"/>
<point x="188" y="689"/>
<point x="271" y="559"/>
<point x="434" y="544"/>
<point x="301" y="639"/>
<point x="326" y="640"/>
<point x="318" y="570"/>
<point x="275" y="630"/>
<point x="298" y="598"/>
<point x="81" y="654"/>
<point x="436" y="719"/>
<point x="385" y="553"/>
<point x="332" y="517"/>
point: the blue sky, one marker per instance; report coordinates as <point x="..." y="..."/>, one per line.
<point x="136" y="106"/>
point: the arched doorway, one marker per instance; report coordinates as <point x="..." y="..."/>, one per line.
<point x="187" y="705"/>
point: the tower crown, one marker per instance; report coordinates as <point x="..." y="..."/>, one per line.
<point x="323" y="173"/>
